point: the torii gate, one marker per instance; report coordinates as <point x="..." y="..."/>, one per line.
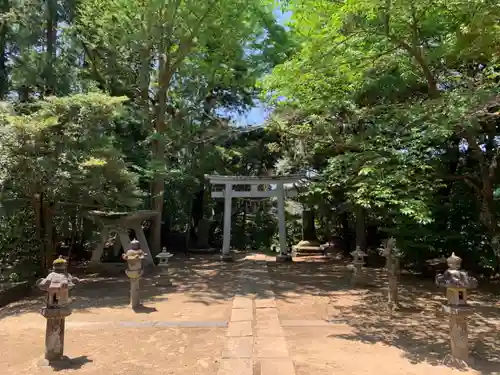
<point x="228" y="194"/>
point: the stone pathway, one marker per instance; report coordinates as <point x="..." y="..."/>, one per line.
<point x="256" y="343"/>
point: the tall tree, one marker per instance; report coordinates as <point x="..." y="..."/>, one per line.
<point x="384" y="96"/>
<point x="163" y="41"/>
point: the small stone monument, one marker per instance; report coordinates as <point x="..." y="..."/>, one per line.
<point x="357" y="266"/>
<point x="57" y="285"/>
<point x="163" y="258"/>
<point x="134" y="257"/>
<point x="457" y="282"/>
<point x="309" y="245"/>
<point x="392" y="255"/>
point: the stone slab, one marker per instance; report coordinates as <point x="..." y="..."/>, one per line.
<point x="306" y="323"/>
<point x="263" y="303"/>
<point x="238" y="347"/>
<point x="207" y="324"/>
<point x="266" y="314"/>
<point x="271" y="326"/>
<point x="239" y="315"/>
<point x="242" y="303"/>
<point x="268" y="324"/>
<point x="269" y="330"/>
<point x="235" y="366"/>
<point x="271" y="347"/>
<point x="277" y="366"/>
<point x="239" y="329"/>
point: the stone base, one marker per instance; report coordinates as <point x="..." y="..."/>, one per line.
<point x="308" y="243"/>
<point x="283" y="258"/>
<point x="306" y="248"/>
<point x="226" y="258"/>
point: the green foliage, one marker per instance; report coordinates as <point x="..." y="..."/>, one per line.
<point x="392" y="104"/>
<point x="64" y="149"/>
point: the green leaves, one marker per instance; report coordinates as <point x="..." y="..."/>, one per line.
<point x="64" y="149"/>
<point x="386" y="102"/>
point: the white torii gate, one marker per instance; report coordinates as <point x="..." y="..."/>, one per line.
<point x="228" y="194"/>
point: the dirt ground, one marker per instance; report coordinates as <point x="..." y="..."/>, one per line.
<point x="328" y="327"/>
<point x="334" y="329"/>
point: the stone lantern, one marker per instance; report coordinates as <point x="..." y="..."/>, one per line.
<point x="134" y="257"/>
<point x="163" y="258"/>
<point x="392" y="255"/>
<point x="357" y="265"/>
<point x="457" y="282"/>
<point x="56" y="285"/>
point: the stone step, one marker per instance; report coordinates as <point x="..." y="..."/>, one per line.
<point x="277" y="366"/>
<point x="235" y="366"/>
<point x="307" y="252"/>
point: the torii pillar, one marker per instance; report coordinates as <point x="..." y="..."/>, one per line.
<point x="228" y="194"/>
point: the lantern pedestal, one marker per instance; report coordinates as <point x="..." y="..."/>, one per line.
<point x="54" y="333"/>
<point x="54" y="339"/>
<point x="134" y="257"/>
<point x="391" y="254"/>
<point x="457" y="282"/>
<point x="393" y="294"/>
<point x="357" y="276"/>
<point x="134" y="276"/>
<point x="459" y="337"/>
<point x="57" y="285"/>
<point x="164" y="278"/>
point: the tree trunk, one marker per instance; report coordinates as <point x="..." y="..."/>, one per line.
<point x="158" y="146"/>
<point x="51" y="36"/>
<point x="50" y="235"/>
<point x="308" y="226"/>
<point x="4" y="29"/>
<point x="346" y="234"/>
<point x="39" y="228"/>
<point x="360" y="228"/>
<point x="197" y="212"/>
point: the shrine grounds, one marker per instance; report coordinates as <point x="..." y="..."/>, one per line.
<point x="252" y="317"/>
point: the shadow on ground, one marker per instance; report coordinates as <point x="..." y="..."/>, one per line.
<point x="202" y="278"/>
<point x="419" y="328"/>
<point x="70" y="363"/>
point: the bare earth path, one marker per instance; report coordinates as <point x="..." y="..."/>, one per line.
<point x="250" y="318"/>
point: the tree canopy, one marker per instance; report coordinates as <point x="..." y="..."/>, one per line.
<point x="390" y="106"/>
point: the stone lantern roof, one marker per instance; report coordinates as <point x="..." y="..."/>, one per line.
<point x="58" y="278"/>
<point x="164" y="254"/>
<point x="454" y="277"/>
